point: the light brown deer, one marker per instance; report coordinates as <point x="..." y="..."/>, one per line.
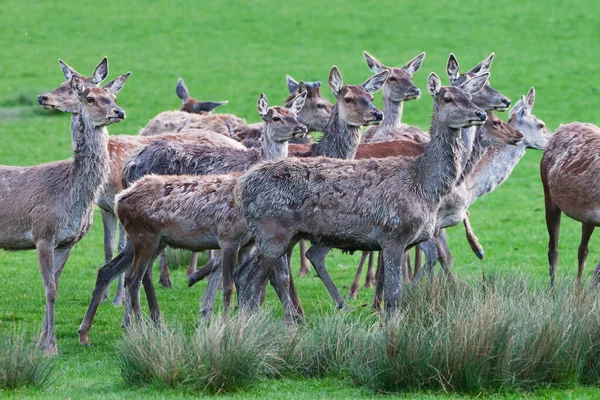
<point x="387" y="204"/>
<point x="190" y="212"/>
<point x="192" y="105"/>
<point x="569" y="170"/>
<point x="49" y="207"/>
<point x="120" y="148"/>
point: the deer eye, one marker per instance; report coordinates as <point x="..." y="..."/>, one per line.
<point x="320" y="105"/>
<point x="496" y="122"/>
<point x="392" y="79"/>
<point x="348" y="100"/>
<point x="276" y="119"/>
<point x="89" y="99"/>
<point x="541" y="126"/>
<point x="447" y="99"/>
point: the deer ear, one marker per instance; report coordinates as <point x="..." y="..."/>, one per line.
<point x="291" y="84"/>
<point x="335" y="81"/>
<point x="434" y="85"/>
<point x="529" y="101"/>
<point x="374" y="83"/>
<point x="262" y="105"/>
<point x="483" y="66"/>
<point x="413" y="65"/>
<point x="101" y="71"/>
<point x="298" y="103"/>
<point x="68" y="72"/>
<point x="518" y="107"/>
<point x="77" y="84"/>
<point x="373" y="63"/>
<point x="207" y="106"/>
<point x="452" y="68"/>
<point x="117" y="84"/>
<point x="182" y="90"/>
<point x="474" y="85"/>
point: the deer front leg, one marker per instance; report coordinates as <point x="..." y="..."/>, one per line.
<point x="393" y="257"/>
<point x="353" y="293"/>
<point x="472" y="239"/>
<point x="45" y="253"/>
<point x="165" y="278"/>
<point x="370" y="278"/>
<point x="304" y="267"/>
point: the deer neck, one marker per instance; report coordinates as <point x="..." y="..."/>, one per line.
<point x="271" y="150"/>
<point x="392" y="111"/>
<point x="479" y="148"/>
<point x="339" y="139"/>
<point x="438" y="168"/>
<point x="90" y="159"/>
<point x="493" y="169"/>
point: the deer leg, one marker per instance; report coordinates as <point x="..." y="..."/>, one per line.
<point x="109" y="224"/>
<point x="229" y="256"/>
<point x="553" y="215"/>
<point x="210" y="294"/>
<point x="582" y="253"/>
<point x="370" y="278"/>
<point x="45" y="252"/>
<point x="193" y="264"/>
<point x="472" y="239"/>
<point x="595" y="277"/>
<point x="298" y="310"/>
<point x="165" y="278"/>
<point x="304" y="267"/>
<point x="120" y="295"/>
<point x="204" y="271"/>
<point x="393" y="257"/>
<point x="106" y="275"/>
<point x="442" y="239"/>
<point x="418" y="261"/>
<point x="380" y="277"/>
<point x="443" y="259"/>
<point x="408" y="275"/>
<point x="317" y="254"/>
<point x="431" y="257"/>
<point x="353" y="293"/>
<point x="280" y="280"/>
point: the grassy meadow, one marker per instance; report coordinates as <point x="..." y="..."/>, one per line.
<point x="232" y="51"/>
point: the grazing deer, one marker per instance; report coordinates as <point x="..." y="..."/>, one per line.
<point x="397" y="89"/>
<point x="120" y="148"/>
<point x="195" y="213"/>
<point x="50" y="207"/>
<point x="192" y="105"/>
<point x="387" y="204"/>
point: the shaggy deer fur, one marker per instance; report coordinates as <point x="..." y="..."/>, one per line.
<point x="49" y="207"/>
<point x="397" y="89"/>
<point x="388" y="204"/>
<point x="196" y="213"/>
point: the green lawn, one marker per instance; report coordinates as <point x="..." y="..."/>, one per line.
<point x="233" y="51"/>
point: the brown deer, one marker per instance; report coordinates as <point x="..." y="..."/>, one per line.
<point x="569" y="171"/>
<point x="121" y="148"/>
<point x="376" y="204"/>
<point x="398" y="88"/>
<point x="49" y="207"/>
<point x="191" y="212"/>
<point x="192" y="105"/>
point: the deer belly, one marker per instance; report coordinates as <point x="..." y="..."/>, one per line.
<point x="195" y="242"/>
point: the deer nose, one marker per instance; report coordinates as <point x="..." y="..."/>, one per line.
<point x="42" y="99"/>
<point x="302" y="128"/>
<point x="416" y="91"/>
<point x="481" y="115"/>
<point x="378" y="115"/>
<point x="120" y="113"/>
<point x="506" y="102"/>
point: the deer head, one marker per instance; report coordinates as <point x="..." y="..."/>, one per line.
<point x="193" y="106"/>
<point x="399" y="84"/>
<point x="63" y="98"/>
<point x="536" y="135"/>
<point x="97" y="105"/>
<point x="488" y="98"/>
<point x="282" y="123"/>
<point x="453" y="105"/>
<point x="355" y="103"/>
<point x="499" y="132"/>
<point x="317" y="110"/>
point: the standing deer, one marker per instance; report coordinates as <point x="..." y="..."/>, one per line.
<point x="388" y="204"/>
<point x="190" y="212"/>
<point x="50" y="207"/>
<point x="120" y="148"/>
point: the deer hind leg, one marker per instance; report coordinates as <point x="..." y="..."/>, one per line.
<point x="165" y="278"/>
<point x="442" y="239"/>
<point x="553" y="214"/>
<point x="120" y="294"/>
<point x="109" y="224"/>
<point x="193" y="264"/>
<point x="317" y="254"/>
<point x="472" y="239"/>
<point x="353" y="293"/>
<point x="304" y="265"/>
<point x="380" y="278"/>
<point x="432" y="256"/>
<point x="418" y="261"/>
<point x="370" y="278"/>
<point x="210" y="294"/>
<point x="582" y="253"/>
<point x="207" y="269"/>
<point x="444" y="261"/>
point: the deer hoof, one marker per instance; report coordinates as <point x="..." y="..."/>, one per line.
<point x="479" y="253"/>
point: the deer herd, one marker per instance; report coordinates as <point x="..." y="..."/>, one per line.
<point x="249" y="193"/>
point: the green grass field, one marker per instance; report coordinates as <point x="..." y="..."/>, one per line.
<point x="234" y="50"/>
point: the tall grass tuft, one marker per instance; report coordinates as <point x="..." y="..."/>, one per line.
<point x="22" y="364"/>
<point x="224" y="356"/>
